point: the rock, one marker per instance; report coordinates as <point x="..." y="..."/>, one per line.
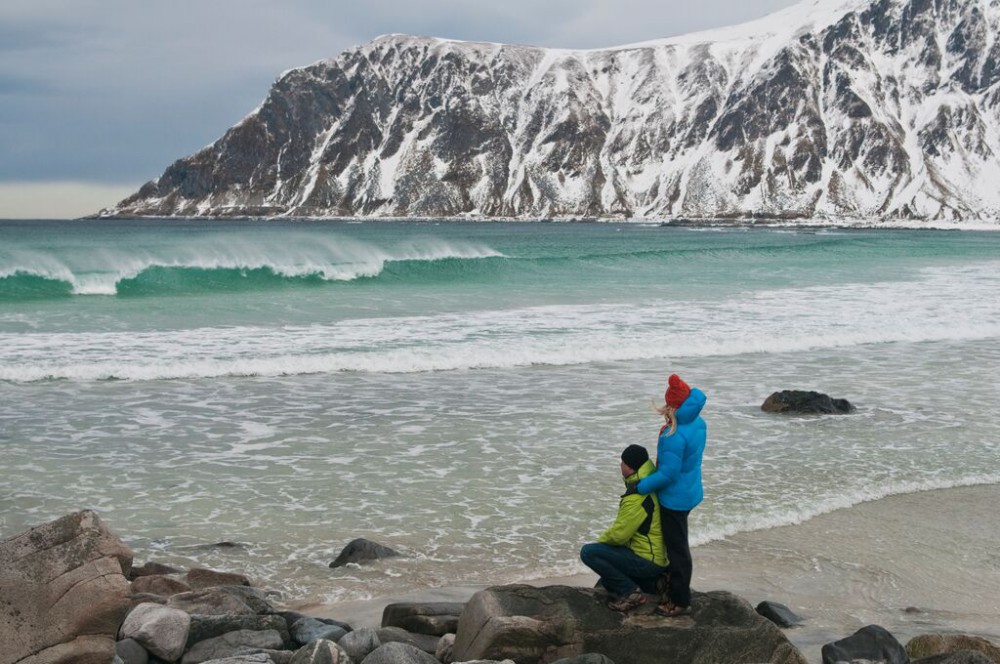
<point x="434" y="618"/>
<point x="208" y="627"/>
<point x="220" y="546"/>
<point x="160" y="630"/>
<point x="959" y="657"/>
<point x="871" y="642"/>
<point x="588" y="658"/>
<point x="360" y="643"/>
<point x="222" y="600"/>
<point x="399" y="653"/>
<point x="424" y="642"/>
<point x="927" y="645"/>
<point x="159" y="584"/>
<point x="276" y="656"/>
<point x="306" y="629"/>
<point x="445" y="651"/>
<point x="130" y="652"/>
<point x="361" y="551"/>
<point x="250" y="658"/>
<point x="292" y="617"/>
<point x="200" y="578"/>
<point x="532" y="625"/>
<point x="228" y="644"/>
<point x="779" y="614"/>
<point x="801" y="402"/>
<point x="149" y="569"/>
<point x="321" y="652"/>
<point x="63" y="589"/>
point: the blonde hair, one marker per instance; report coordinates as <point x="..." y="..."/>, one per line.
<point x="669" y="413"/>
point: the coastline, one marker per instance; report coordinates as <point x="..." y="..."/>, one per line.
<point x="916" y="563"/>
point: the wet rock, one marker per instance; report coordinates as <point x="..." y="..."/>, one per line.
<point x="779" y="614"/>
<point x="803" y="402"/>
<point x="873" y="643"/>
<point x="362" y="551"/>
<point x="306" y="629"/>
<point x="200" y="578"/>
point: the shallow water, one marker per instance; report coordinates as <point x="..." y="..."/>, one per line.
<point x="461" y="392"/>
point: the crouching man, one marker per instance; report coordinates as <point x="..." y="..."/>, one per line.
<point x="629" y="556"/>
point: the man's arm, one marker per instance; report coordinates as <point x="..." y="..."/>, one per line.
<point x="631" y="514"/>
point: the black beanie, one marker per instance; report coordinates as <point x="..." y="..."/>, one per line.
<point x="634" y="456"/>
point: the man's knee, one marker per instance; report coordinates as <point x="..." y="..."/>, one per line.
<point x="588" y="552"/>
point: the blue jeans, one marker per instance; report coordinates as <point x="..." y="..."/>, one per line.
<point x="620" y="569"/>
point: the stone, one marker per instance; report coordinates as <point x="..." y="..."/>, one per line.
<point x="927" y="645"/>
<point x="159" y="584"/>
<point x="160" y="630"/>
<point x="779" y="614"/>
<point x="222" y="600"/>
<point x="200" y="578"/>
<point x="361" y="551"/>
<point x="150" y="569"/>
<point x="131" y="652"/>
<point x="872" y="642"/>
<point x="292" y="617"/>
<point x="586" y="658"/>
<point x="207" y="627"/>
<point x="63" y="588"/>
<point x="533" y="625"/>
<point x="434" y="618"/>
<point x="321" y="652"/>
<point x="445" y="651"/>
<point x="276" y="656"/>
<point x="249" y="658"/>
<point x="306" y="629"/>
<point x="228" y="644"/>
<point x="399" y="653"/>
<point x="802" y="402"/>
<point x="424" y="642"/>
<point x="360" y="643"/>
<point x="959" y="657"/>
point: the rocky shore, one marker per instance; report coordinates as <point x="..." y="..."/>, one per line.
<point x="70" y="593"/>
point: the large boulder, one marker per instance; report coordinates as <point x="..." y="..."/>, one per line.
<point x="222" y="600"/>
<point x="434" y="618"/>
<point x="361" y="551"/>
<point x="802" y="402"/>
<point x="872" y="643"/>
<point x="927" y="645"/>
<point x="63" y="591"/>
<point x="534" y="625"/>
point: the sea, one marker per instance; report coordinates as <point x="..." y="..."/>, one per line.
<point x="252" y="396"/>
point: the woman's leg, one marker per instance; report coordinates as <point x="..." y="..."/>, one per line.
<point x="675" y="540"/>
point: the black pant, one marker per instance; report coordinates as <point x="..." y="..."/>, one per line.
<point x="675" y="540"/>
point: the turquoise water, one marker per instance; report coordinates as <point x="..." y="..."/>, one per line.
<point x="460" y="391"/>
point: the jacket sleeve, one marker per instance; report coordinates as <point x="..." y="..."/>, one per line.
<point x="668" y="465"/>
<point x="630" y="516"/>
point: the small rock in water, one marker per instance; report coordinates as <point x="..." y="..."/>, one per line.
<point x="803" y="402"/>
<point x="779" y="614"/>
<point x="872" y="643"/>
<point x="362" y="551"/>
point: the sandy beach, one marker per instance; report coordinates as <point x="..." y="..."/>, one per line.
<point x="913" y="563"/>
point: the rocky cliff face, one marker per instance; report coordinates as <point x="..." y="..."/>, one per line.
<point x="832" y="108"/>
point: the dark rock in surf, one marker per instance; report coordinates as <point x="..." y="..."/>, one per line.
<point x="779" y="614"/>
<point x="803" y="402"/>
<point x="361" y="551"/>
<point x="872" y="643"/>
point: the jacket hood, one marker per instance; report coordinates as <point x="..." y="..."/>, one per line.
<point x="647" y="469"/>
<point x="691" y="408"/>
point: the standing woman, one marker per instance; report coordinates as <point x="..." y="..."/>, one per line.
<point x="677" y="485"/>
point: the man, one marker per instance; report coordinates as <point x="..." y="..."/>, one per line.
<point x="629" y="556"/>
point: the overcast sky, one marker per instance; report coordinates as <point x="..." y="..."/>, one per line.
<point x="99" y="96"/>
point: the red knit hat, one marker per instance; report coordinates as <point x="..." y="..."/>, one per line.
<point x="677" y="391"/>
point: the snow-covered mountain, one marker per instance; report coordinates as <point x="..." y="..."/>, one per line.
<point x="829" y="109"/>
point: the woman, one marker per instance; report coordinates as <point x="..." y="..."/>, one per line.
<point x="677" y="485"/>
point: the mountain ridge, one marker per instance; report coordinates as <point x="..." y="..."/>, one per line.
<point x="877" y="110"/>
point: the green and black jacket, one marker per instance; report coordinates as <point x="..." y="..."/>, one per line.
<point x="637" y="525"/>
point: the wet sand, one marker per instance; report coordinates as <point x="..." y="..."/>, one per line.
<point x="913" y="563"/>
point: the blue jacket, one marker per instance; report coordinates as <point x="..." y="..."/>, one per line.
<point x="677" y="480"/>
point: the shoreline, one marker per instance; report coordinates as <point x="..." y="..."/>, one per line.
<point x="916" y="563"/>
